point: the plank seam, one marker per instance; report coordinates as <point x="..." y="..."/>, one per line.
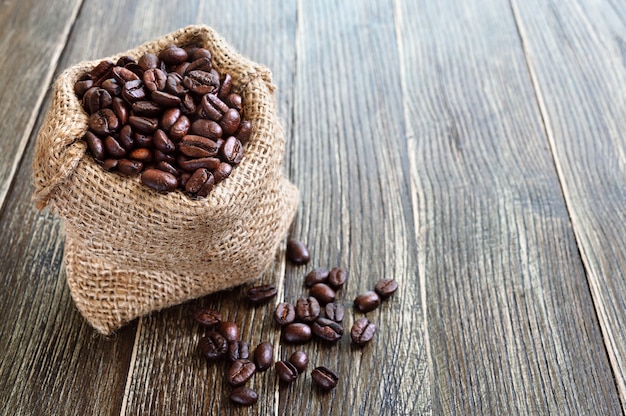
<point x="621" y="389"/>
<point x="131" y="367"/>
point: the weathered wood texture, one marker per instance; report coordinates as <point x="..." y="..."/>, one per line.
<point x="580" y="78"/>
<point x="510" y="317"/>
<point x="32" y="39"/>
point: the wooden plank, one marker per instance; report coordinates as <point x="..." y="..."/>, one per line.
<point x="169" y="376"/>
<point x="348" y="157"/>
<point x="511" y="322"/>
<point x="31" y="41"/>
<point x="577" y="57"/>
<point x="53" y="361"/>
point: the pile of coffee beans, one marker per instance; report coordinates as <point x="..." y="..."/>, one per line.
<point x="170" y="117"/>
<point x="316" y="316"/>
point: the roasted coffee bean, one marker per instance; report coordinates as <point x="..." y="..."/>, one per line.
<point x="327" y="330"/>
<point x="180" y="128"/>
<point x="202" y="64"/>
<point x="154" y="79"/>
<point x="284" y="314"/>
<point x="135" y="69"/>
<point x="244" y="396"/>
<point x="204" y="162"/>
<point x="112" y="87"/>
<point x="286" y="371"/>
<point x="323" y="293"/>
<point x="96" y="146"/>
<point x="297" y="252"/>
<point x="173" y="55"/>
<point x="142" y="140"/>
<point x="129" y="167"/>
<point x="234" y="101"/>
<point x="146" y="108"/>
<point x="174" y="84"/>
<point x="167" y="167"/>
<point x="110" y="164"/>
<point x="229" y="330"/>
<point x="296" y="333"/>
<point x="96" y="99"/>
<point x="230" y="121"/>
<point x="240" y="371"/>
<point x="124" y="60"/>
<point x="124" y="75"/>
<point x="206" y="128"/>
<point x="120" y="108"/>
<point x="245" y="129"/>
<point x="80" y="87"/>
<point x="101" y="72"/>
<point x="261" y="294"/>
<point x="334" y="311"/>
<point x="198" y="146"/>
<point x="386" y="288"/>
<point x="325" y="378"/>
<point x="165" y="99"/>
<point x="145" y="125"/>
<point x="238" y="350"/>
<point x="217" y="103"/>
<point x="162" y="142"/>
<point x="264" y="356"/>
<point x="182" y="180"/>
<point x="208" y="185"/>
<point x="367" y="301"/>
<point x="170" y="117"/>
<point x="188" y="105"/>
<point x="141" y="154"/>
<point x="113" y="148"/>
<point x="201" y="82"/>
<point x="149" y="61"/>
<point x="222" y="171"/>
<point x="158" y="180"/>
<point x="300" y="360"/>
<point x="362" y="331"/>
<point x="307" y="309"/>
<point x="208" y="317"/>
<point x="182" y="68"/>
<point x="159" y="156"/>
<point x="225" y="87"/>
<point x="134" y="91"/>
<point x="213" y="346"/>
<point x="206" y="110"/>
<point x="197" y="180"/>
<point x="337" y="277"/>
<point x="232" y="151"/>
<point x="319" y="275"/>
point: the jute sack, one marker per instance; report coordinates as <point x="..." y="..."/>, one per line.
<point x="130" y="250"/>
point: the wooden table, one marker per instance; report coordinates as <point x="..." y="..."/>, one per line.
<point x="475" y="151"/>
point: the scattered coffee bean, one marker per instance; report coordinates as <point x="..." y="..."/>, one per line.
<point x="297" y="252"/>
<point x="307" y="309"/>
<point x="264" y="356"/>
<point x="327" y="330"/>
<point x="286" y="371"/>
<point x="319" y="275"/>
<point x="362" y="331"/>
<point x="207" y="317"/>
<point x="229" y="330"/>
<point x="240" y="371"/>
<point x="284" y="314"/>
<point x="261" y="294"/>
<point x="367" y="301"/>
<point x="300" y="360"/>
<point x="337" y="277"/>
<point x="334" y="311"/>
<point x="386" y="288"/>
<point x="244" y="396"/>
<point x="213" y="346"/>
<point x="238" y="350"/>
<point x="325" y="378"/>
<point x="296" y="333"/>
<point x="323" y="293"/>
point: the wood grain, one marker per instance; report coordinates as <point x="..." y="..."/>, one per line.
<point x="585" y="123"/>
<point x="511" y="321"/>
<point x="32" y="40"/>
<point x="349" y="159"/>
<point x="169" y="375"/>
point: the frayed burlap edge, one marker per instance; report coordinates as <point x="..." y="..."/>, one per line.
<point x="129" y="250"/>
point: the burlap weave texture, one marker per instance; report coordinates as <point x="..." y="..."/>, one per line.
<point x="130" y="250"/>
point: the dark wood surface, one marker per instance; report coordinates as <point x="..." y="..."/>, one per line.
<point x="474" y="151"/>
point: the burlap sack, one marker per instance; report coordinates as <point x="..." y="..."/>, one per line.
<point x="129" y="250"/>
